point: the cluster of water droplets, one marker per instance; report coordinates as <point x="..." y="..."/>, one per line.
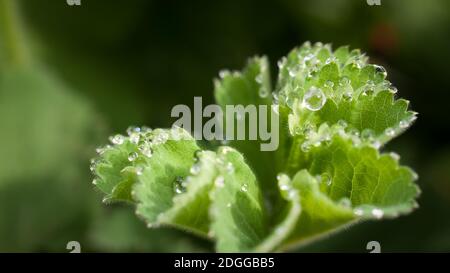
<point x="286" y="188"/>
<point x="139" y="142"/>
<point x="370" y="211"/>
<point x="313" y="137"/>
<point x="263" y="91"/>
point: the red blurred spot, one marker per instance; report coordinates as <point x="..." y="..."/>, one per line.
<point x="383" y="38"/>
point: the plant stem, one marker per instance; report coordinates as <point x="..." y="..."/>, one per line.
<point x="12" y="43"/>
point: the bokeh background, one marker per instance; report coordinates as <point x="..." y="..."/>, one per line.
<point x="72" y="75"/>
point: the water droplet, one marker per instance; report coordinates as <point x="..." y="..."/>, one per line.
<point x="244" y="188"/>
<point x="389" y="132"/>
<point x="367" y="134"/>
<point x="134" y="138"/>
<point x="132" y="156"/>
<point x="404" y="124"/>
<point x="94" y="182"/>
<point x="358" y="212"/>
<point x="376" y="144"/>
<point x="368" y="91"/>
<point x="284" y="187"/>
<point x="305" y="147"/>
<point x="117" y="139"/>
<point x="230" y="167"/>
<point x="394" y="155"/>
<point x="219" y="182"/>
<point x="133" y="129"/>
<point x="139" y="171"/>
<point x="275" y="97"/>
<point x="314" y="99"/>
<point x="309" y="57"/>
<point x="348" y="96"/>
<point x="292" y="72"/>
<point x="393" y="89"/>
<point x="146" y="150"/>
<point x="344" y="81"/>
<point x="345" y="202"/>
<point x="281" y="63"/>
<point x="342" y="123"/>
<point x="259" y="78"/>
<point x="226" y="150"/>
<point x="223" y="73"/>
<point x="195" y="169"/>
<point x="93" y="165"/>
<point x="380" y="69"/>
<point x="330" y="60"/>
<point x="228" y="205"/>
<point x="263" y="93"/>
<point x="326" y="179"/>
<point x="178" y="185"/>
<point x="161" y="138"/>
<point x="377" y="213"/>
<point x="354" y="132"/>
<point x="329" y="84"/>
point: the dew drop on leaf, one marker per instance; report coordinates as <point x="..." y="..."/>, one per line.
<point x="367" y="134"/>
<point x="314" y="99"/>
<point x="380" y="69"/>
<point x="342" y="123"/>
<point x="404" y="124"/>
<point x="259" y="78"/>
<point x="344" y="81"/>
<point x="394" y="156"/>
<point x="244" y="188"/>
<point x="131" y="130"/>
<point x="389" y="132"/>
<point x="132" y="156"/>
<point x="329" y="84"/>
<point x="178" y="186"/>
<point x="305" y="147"/>
<point x="146" y="150"/>
<point x="345" y="202"/>
<point x="393" y="89"/>
<point x="117" y="139"/>
<point x="358" y="212"/>
<point x="195" y="169"/>
<point x="326" y="179"/>
<point x="377" y="213"/>
<point x="263" y="93"/>
<point x="219" y="182"/>
<point x="134" y="138"/>
<point x="139" y="171"/>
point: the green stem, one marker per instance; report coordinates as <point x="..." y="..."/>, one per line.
<point x="12" y="43"/>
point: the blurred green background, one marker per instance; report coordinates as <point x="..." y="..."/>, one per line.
<point x="72" y="75"/>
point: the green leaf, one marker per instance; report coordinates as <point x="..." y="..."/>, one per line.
<point x="335" y="111"/>
<point x="239" y="218"/>
<point x="342" y="182"/>
<point x="346" y="90"/>
<point x="252" y="87"/>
